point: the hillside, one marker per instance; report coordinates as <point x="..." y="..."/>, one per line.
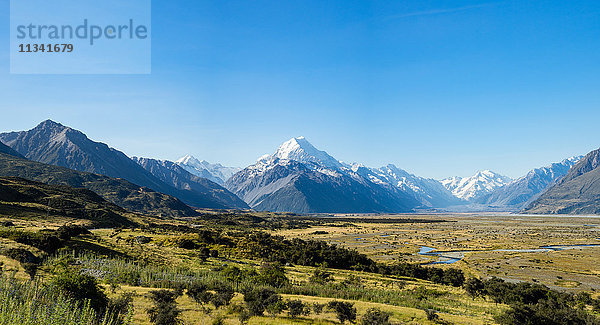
<point x="577" y="193"/>
<point x="519" y="193"/>
<point x="118" y="191"/>
<point x="55" y="144"/>
<point x="21" y="198"/>
<point x="8" y="150"/>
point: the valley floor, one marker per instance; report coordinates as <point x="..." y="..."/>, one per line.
<point x="505" y="246"/>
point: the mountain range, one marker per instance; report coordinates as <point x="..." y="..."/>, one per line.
<point x="297" y="177"/>
<point x="55" y="144"/>
<point x="178" y="177"/>
<point x="519" y="193"/>
<point x="578" y="192"/>
<point x="202" y="168"/>
<point x="118" y="191"/>
<point x="474" y="187"/>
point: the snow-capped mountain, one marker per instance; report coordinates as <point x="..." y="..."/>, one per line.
<point x="429" y="192"/>
<point x="476" y="186"/>
<point x="209" y="194"/>
<point x="578" y="192"/>
<point x="519" y="193"/>
<point x="300" y="150"/>
<point x="300" y="178"/>
<point x="202" y="168"/>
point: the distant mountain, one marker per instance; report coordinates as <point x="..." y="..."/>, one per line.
<point x="118" y="191"/>
<point x="8" y="150"/>
<point x="521" y="192"/>
<point x="578" y="192"/>
<point x="429" y="192"/>
<point x="214" y="172"/>
<point x="300" y="150"/>
<point x="176" y="176"/>
<point x="300" y="178"/>
<point x="475" y="187"/>
<point x="56" y="144"/>
<point x="21" y="198"/>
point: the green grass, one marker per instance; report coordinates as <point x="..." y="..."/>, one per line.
<point x="33" y="303"/>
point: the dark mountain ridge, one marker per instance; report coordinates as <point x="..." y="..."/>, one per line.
<point x="55" y="144"/>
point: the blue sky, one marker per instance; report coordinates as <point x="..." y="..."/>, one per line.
<point x="439" y="88"/>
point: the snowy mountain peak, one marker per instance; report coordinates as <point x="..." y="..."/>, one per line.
<point x="215" y="172"/>
<point x="299" y="149"/>
<point x="187" y="160"/>
<point x="482" y="183"/>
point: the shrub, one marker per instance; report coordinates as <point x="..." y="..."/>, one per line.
<point x="223" y="295"/>
<point x="258" y="299"/>
<point x="431" y="314"/>
<point x="164" y="311"/>
<point x="375" y="316"/>
<point x="344" y="311"/>
<point x="474" y="287"/>
<point x="273" y="274"/>
<point x="320" y="276"/>
<point x="297" y="308"/>
<point x="81" y="287"/>
<point x="318" y="308"/>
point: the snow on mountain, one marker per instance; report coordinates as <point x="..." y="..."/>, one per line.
<point x="519" y="193"/>
<point x="215" y="172"/>
<point x="298" y="170"/>
<point x="476" y="186"/>
<point x="430" y="192"/>
<point x="299" y="149"/>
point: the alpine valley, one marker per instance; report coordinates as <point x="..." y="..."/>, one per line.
<point x="296" y="178"/>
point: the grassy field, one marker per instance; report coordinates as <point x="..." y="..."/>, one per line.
<point x="162" y="261"/>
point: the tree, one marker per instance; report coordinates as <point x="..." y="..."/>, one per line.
<point x="345" y="311"/>
<point x="199" y="292"/>
<point x="297" y="308"/>
<point x="431" y="314"/>
<point x="258" y="299"/>
<point x="474" y="287"/>
<point x="375" y="316"/>
<point x="273" y="274"/>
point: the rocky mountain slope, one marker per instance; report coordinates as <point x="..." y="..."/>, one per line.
<point x="56" y="144"/>
<point x="578" y="192"/>
<point x="521" y="192"/>
<point x="176" y="176"/>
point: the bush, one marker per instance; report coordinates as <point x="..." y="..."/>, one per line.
<point x="344" y="311"/>
<point x="375" y="316"/>
<point x="318" y="308"/>
<point x="164" y="311"/>
<point x="474" y="287"/>
<point x="81" y="287"/>
<point x="431" y="314"/>
<point x="259" y="299"/>
<point x="273" y="274"/>
<point x="297" y="308"/>
<point x="69" y="231"/>
<point x="223" y="295"/>
<point x="321" y="276"/>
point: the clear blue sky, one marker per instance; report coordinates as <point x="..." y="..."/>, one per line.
<point x="439" y="88"/>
